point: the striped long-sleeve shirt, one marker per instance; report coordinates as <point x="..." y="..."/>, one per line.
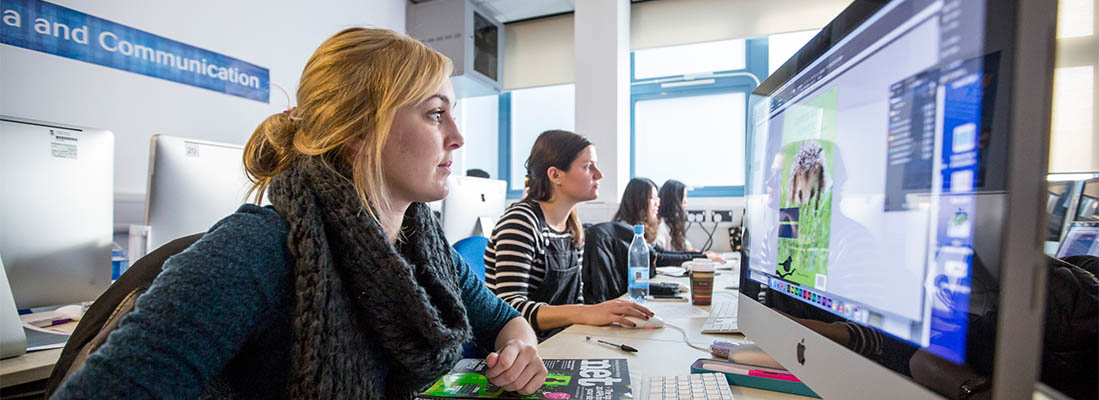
<point x="516" y="255"/>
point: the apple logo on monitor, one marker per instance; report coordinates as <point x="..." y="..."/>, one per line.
<point x="801" y="352"/>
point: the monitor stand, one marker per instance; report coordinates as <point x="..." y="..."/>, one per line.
<point x="13" y="342"/>
<point x="484" y="226"/>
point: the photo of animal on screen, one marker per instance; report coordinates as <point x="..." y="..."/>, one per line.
<point x="805" y="210"/>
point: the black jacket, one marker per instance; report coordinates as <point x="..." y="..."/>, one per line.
<point x="1070" y="355"/>
<point x="606" y="257"/>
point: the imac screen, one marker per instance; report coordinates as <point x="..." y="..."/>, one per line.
<point x="876" y="191"/>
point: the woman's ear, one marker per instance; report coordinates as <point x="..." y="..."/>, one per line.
<point x="554" y="175"/>
<point x="354" y="146"/>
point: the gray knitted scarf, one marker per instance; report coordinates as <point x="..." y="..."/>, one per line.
<point x="370" y="321"/>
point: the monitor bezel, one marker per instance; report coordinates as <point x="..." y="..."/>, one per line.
<point x="827" y="366"/>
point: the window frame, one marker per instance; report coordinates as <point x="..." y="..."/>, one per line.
<point x="650" y="89"/>
<point x="504" y="160"/>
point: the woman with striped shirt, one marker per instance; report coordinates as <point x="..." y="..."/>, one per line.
<point x="533" y="258"/>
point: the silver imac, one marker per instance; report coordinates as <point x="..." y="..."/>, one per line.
<point x="56" y="211"/>
<point x="192" y="184"/>
<point x="13" y="342"/>
<point x="895" y="188"/>
<point x="472" y="207"/>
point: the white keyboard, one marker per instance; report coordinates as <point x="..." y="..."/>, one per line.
<point x="690" y="387"/>
<point x="722" y="319"/>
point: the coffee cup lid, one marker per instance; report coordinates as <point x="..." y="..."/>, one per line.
<point x="696" y="266"/>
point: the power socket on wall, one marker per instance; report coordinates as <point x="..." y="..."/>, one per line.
<point x="721" y="216"/>
<point x="696" y="215"/>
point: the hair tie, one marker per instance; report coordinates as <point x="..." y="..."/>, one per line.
<point x="291" y="113"/>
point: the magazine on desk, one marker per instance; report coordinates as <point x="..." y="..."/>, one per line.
<point x="602" y="379"/>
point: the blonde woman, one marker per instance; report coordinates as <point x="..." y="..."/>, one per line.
<point x="346" y="287"/>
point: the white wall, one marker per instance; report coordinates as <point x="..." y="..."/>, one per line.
<point x="602" y="72"/>
<point x="540" y="52"/>
<point x="278" y="35"/>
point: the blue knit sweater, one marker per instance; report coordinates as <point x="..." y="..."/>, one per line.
<point x="220" y="312"/>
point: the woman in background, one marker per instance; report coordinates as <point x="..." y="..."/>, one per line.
<point x="671" y="233"/>
<point x="533" y="259"/>
<point x="607" y="244"/>
<point x="345" y="287"/>
<point x="640" y="206"/>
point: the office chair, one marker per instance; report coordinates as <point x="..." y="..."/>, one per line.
<point x="103" y="316"/>
<point x="472" y="250"/>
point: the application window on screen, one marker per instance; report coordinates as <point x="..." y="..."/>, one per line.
<point x="867" y="191"/>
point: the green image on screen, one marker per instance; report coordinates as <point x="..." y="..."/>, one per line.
<point x="807" y="157"/>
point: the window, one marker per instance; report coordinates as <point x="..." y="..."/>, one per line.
<point x="1072" y="145"/>
<point x="697" y="107"/>
<point x="689" y="59"/>
<point x="526" y="113"/>
<point x="478" y="120"/>
<point x="1075" y="18"/>
<point x="709" y="125"/>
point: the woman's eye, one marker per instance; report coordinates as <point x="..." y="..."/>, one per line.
<point x="437" y="116"/>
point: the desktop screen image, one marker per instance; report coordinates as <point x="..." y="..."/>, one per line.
<point x="1088" y="207"/>
<point x="872" y="167"/>
<point x="1080" y="240"/>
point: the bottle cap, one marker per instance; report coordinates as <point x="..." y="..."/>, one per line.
<point x="639" y="229"/>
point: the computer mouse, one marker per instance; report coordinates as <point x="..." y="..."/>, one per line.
<point x="653" y="322"/>
<point x="73" y="312"/>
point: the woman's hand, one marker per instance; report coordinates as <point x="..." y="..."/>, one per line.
<point x="714" y="257"/>
<point x="516" y="367"/>
<point x="614" y="311"/>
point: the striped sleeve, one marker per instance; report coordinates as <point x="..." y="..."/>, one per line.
<point x="513" y="261"/>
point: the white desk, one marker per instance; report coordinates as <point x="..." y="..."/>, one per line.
<point x="31" y="366"/>
<point x="661" y="352"/>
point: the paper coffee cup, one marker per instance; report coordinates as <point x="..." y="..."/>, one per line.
<point x="702" y="282"/>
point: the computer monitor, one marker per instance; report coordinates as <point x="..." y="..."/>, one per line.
<point x="13" y="342"/>
<point x="1087" y="208"/>
<point x="1060" y="196"/>
<point x="1066" y="201"/>
<point x="56" y="211"/>
<point x="896" y="164"/>
<point x="1080" y="240"/>
<point x="192" y="184"/>
<point x="472" y="206"/>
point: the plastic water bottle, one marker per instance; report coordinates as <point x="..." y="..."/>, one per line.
<point x="639" y="265"/>
<point x="119" y="262"/>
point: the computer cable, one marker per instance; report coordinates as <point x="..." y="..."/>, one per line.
<point x="709" y="235"/>
<point x="685" y="340"/>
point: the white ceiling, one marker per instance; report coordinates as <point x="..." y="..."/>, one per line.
<point x="513" y="10"/>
